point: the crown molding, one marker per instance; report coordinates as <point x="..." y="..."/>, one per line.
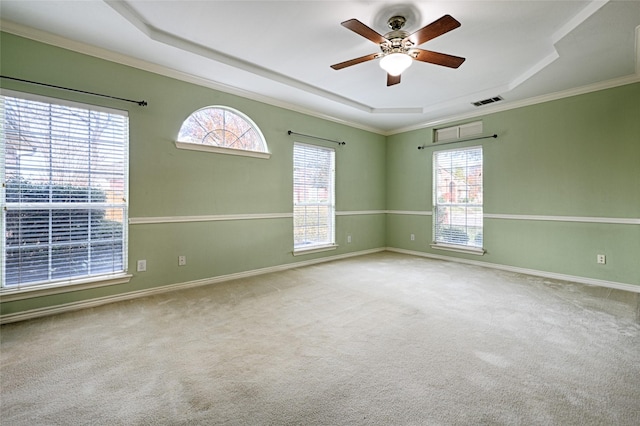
<point x="108" y="55"/>
<point x="97" y="52"/>
<point x="603" y="85"/>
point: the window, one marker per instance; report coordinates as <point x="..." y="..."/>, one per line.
<point x="458" y="198"/>
<point x="64" y="197"/>
<point x="222" y="130"/>
<point x="313" y="197"/>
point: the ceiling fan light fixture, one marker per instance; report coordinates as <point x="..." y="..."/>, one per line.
<point x="399" y="47"/>
<point x="395" y="63"/>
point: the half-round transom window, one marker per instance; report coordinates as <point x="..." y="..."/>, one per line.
<point x="223" y="130"/>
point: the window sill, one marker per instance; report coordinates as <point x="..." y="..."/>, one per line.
<point x="221" y="150"/>
<point x="12" y="294"/>
<point x="314" y="249"/>
<point x="459" y="249"/>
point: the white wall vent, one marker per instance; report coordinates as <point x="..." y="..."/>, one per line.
<point x="488" y="101"/>
<point x="461" y="131"/>
<point x="447" y="134"/>
<point x="470" y="129"/>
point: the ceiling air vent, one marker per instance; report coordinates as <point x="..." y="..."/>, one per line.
<point x="488" y="101"/>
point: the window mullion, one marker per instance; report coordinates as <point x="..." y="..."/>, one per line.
<point x="90" y="194"/>
<point x="50" y="184"/>
<point x="222" y="130"/>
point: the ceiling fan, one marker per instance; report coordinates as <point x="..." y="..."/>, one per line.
<point x="398" y="46"/>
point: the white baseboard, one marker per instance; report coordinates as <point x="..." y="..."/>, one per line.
<point x="545" y="274"/>
<point x="92" y="303"/>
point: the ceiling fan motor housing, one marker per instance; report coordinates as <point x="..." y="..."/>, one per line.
<point x="397" y="37"/>
<point x="396" y="22"/>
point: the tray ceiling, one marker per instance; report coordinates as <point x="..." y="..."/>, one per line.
<point x="280" y="51"/>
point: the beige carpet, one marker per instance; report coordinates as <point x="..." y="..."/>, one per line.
<point x="383" y="339"/>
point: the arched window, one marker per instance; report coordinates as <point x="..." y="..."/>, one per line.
<point x="223" y="130"/>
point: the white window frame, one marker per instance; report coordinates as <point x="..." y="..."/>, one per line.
<point x="187" y="140"/>
<point x="450" y="201"/>
<point x="71" y="281"/>
<point x="303" y="222"/>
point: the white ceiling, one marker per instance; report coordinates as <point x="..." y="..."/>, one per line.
<point x="280" y="51"/>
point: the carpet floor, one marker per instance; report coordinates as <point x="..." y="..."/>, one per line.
<point x="381" y="339"/>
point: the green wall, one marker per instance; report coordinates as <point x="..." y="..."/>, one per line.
<point x="577" y="156"/>
<point x="168" y="182"/>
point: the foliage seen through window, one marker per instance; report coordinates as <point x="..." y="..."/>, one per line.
<point x="222" y="127"/>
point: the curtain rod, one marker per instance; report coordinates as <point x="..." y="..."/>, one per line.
<point x="463" y="140"/>
<point x="289" y="132"/>
<point x="140" y="103"/>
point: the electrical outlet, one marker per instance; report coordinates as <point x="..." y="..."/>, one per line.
<point x="182" y="260"/>
<point x="348" y="239"/>
<point x="413" y="237"/>
<point x="602" y="259"/>
<point x="141" y="266"/>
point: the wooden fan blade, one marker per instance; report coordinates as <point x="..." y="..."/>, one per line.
<point x="433" y="30"/>
<point x="391" y="80"/>
<point x="366" y="32"/>
<point x="355" y="61"/>
<point x="436" y="58"/>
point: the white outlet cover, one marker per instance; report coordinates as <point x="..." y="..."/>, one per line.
<point x="141" y="266"/>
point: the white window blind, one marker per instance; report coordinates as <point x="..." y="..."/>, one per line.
<point x="313" y="196"/>
<point x="458" y="197"/>
<point x="64" y="198"/>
